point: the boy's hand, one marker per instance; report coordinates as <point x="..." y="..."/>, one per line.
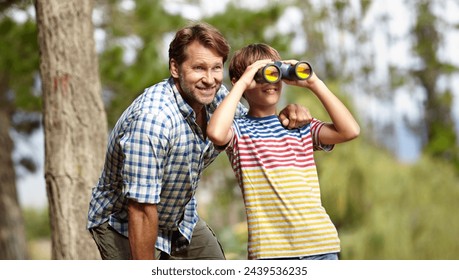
<point x="295" y="116"/>
<point x="300" y="83"/>
<point x="247" y="77"/>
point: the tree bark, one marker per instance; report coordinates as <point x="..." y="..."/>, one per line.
<point x="12" y="233"/>
<point x="74" y="121"/>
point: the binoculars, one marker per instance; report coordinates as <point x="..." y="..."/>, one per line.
<point x="274" y="72"/>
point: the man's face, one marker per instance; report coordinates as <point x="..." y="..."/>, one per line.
<point x="200" y="75"/>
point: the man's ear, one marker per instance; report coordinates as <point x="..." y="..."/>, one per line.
<point x="233" y="81"/>
<point x="174" y="68"/>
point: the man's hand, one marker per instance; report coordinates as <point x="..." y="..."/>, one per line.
<point x="143" y="229"/>
<point x="295" y="116"/>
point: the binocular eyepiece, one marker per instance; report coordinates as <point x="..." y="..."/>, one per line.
<point x="273" y="72"/>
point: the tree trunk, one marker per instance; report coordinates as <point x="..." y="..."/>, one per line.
<point x="12" y="234"/>
<point x="74" y="121"/>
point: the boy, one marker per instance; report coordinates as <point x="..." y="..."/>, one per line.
<point x="275" y="166"/>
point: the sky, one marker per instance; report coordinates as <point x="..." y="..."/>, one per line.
<point x="32" y="190"/>
<point x="31" y="187"/>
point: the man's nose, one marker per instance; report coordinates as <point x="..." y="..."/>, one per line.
<point x="209" y="77"/>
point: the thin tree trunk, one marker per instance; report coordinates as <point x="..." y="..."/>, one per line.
<point x="12" y="234"/>
<point x="74" y="121"/>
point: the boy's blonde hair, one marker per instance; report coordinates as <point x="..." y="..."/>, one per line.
<point x="248" y="55"/>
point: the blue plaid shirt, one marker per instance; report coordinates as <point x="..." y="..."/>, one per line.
<point x="156" y="154"/>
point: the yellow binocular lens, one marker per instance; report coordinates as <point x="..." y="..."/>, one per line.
<point x="303" y="70"/>
<point x="269" y="74"/>
<point x="300" y="71"/>
<point x="273" y="72"/>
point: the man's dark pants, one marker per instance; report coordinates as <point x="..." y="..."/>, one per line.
<point x="114" y="246"/>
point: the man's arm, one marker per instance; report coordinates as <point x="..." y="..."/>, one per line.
<point x="143" y="229"/>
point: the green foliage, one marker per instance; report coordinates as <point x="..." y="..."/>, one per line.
<point x="147" y="23"/>
<point x="234" y="240"/>
<point x="19" y="62"/>
<point x="253" y="24"/>
<point x="441" y="134"/>
<point x="442" y="138"/>
<point x="37" y="223"/>
<point x="404" y="211"/>
<point x="20" y="99"/>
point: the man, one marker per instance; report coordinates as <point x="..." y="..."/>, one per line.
<point x="145" y="197"/>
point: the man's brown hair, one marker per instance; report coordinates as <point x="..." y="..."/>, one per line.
<point x="205" y="34"/>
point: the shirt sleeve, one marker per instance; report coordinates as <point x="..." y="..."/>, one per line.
<point x="144" y="147"/>
<point x="316" y="126"/>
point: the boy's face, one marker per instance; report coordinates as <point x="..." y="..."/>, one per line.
<point x="264" y="96"/>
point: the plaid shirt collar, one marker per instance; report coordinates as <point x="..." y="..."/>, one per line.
<point x="186" y="110"/>
<point x="184" y="107"/>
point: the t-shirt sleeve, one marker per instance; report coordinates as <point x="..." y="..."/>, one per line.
<point x="316" y="126"/>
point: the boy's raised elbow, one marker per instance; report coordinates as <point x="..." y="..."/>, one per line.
<point x="353" y="133"/>
<point x="216" y="140"/>
<point x="215" y="137"/>
<point x="212" y="137"/>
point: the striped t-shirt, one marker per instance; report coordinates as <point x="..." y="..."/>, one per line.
<point x="277" y="174"/>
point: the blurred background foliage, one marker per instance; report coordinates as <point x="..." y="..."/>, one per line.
<point x="384" y="206"/>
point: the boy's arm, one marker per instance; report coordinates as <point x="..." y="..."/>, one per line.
<point x="343" y="127"/>
<point x="219" y="126"/>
